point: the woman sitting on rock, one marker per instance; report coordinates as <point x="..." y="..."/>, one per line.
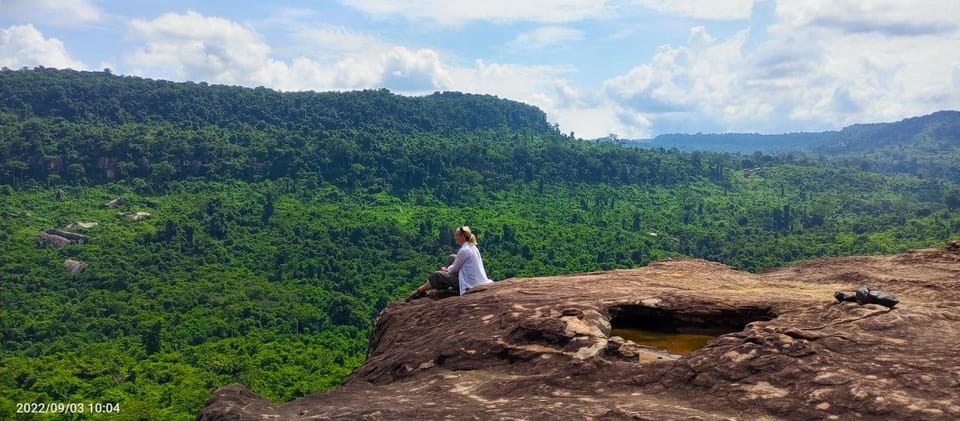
<point x="462" y="271"/>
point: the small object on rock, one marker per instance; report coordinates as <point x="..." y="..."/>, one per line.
<point x="114" y="203"/>
<point x="867" y="295"/>
<point x="573" y="312"/>
<point x="75" y="266"/>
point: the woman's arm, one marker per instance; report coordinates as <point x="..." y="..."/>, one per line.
<point x="458" y="262"/>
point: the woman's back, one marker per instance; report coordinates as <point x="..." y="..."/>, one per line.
<point x="470" y="267"/>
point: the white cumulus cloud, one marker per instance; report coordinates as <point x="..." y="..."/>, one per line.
<point x="24" y="45"/>
<point x="414" y="70"/>
<point x="192" y="46"/>
<point x="890" y="17"/>
<point x="686" y="79"/>
<point x="518" y="82"/>
<point x="821" y="65"/>
<point x="584" y="111"/>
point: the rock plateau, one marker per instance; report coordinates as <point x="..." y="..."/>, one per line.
<point x="541" y="348"/>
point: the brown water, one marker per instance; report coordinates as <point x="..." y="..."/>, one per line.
<point x="674" y="343"/>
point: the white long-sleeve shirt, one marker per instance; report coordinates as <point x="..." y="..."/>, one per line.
<point x="469" y="267"/>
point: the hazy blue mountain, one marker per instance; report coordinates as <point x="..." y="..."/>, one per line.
<point x="927" y="145"/>
<point x="737" y="142"/>
<point x="940" y="129"/>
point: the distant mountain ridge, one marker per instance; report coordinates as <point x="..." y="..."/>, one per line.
<point x="927" y="145"/>
<point x="943" y="125"/>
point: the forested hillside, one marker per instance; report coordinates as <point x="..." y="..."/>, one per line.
<point x="281" y="223"/>
<point x="93" y="127"/>
<point x="927" y="146"/>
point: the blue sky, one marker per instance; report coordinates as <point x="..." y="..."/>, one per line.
<point x="635" y="68"/>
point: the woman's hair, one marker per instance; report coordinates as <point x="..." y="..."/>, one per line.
<point x="467" y="235"/>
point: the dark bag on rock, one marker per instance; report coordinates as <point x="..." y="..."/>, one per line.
<point x="866" y="295"/>
<point x="875" y="296"/>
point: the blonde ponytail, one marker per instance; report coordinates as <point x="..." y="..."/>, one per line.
<point x="467" y="235"/>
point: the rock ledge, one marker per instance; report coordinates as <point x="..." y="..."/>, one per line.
<point x="540" y="348"/>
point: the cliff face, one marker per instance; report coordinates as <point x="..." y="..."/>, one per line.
<point x="541" y="348"/>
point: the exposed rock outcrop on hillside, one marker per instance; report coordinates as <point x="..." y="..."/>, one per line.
<point x="540" y="348"/>
<point x="75" y="266"/>
<point x="57" y="238"/>
<point x="115" y="203"/>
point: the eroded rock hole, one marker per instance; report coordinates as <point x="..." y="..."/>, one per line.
<point x="679" y="332"/>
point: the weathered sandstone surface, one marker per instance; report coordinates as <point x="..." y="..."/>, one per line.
<point x="540" y="348"/>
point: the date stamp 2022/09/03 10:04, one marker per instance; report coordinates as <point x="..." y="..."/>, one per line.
<point x="68" y="408"/>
